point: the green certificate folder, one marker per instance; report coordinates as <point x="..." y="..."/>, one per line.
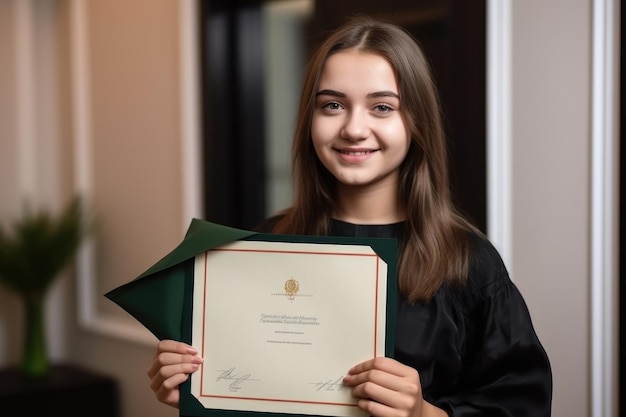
<point x="279" y="319"/>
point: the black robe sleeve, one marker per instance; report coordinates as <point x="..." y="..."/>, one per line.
<point x="504" y="369"/>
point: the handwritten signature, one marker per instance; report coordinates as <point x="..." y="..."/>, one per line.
<point x="234" y="379"/>
<point x="330" y="385"/>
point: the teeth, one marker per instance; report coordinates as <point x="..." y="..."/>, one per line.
<point x="356" y="153"/>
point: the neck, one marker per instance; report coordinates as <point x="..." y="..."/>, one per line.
<point x="363" y="205"/>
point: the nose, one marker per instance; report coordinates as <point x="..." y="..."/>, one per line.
<point x="355" y="127"/>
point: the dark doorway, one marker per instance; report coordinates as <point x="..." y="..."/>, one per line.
<point x="232" y="120"/>
<point x="452" y="34"/>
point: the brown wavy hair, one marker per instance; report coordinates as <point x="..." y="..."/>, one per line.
<point x="434" y="248"/>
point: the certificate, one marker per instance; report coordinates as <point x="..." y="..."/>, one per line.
<point x="280" y="323"/>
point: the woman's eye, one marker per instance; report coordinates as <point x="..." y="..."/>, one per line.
<point x="331" y="105"/>
<point x="383" y="108"/>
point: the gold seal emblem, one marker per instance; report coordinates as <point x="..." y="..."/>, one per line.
<point x="291" y="288"/>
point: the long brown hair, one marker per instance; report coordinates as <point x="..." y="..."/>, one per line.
<point x="434" y="250"/>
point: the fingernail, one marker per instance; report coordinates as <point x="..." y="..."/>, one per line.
<point x="192" y="350"/>
<point x="197" y="359"/>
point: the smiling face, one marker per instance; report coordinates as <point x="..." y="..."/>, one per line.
<point x="357" y="129"/>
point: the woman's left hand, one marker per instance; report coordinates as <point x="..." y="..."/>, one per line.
<point x="385" y="387"/>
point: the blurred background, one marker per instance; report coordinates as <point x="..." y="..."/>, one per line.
<point x="160" y="111"/>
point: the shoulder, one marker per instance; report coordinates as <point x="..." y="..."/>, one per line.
<point x="487" y="271"/>
<point x="484" y="255"/>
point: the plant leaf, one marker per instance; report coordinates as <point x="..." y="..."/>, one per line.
<point x="39" y="247"/>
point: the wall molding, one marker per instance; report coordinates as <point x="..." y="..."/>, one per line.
<point x="604" y="207"/>
<point x="26" y="113"/>
<point x="499" y="132"/>
<point x="190" y="111"/>
<point x="89" y="316"/>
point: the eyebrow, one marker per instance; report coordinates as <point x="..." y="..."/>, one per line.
<point x="335" y="93"/>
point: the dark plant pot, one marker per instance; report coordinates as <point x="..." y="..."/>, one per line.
<point x="35" y="359"/>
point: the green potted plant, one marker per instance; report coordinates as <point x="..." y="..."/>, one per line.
<point x="32" y="254"/>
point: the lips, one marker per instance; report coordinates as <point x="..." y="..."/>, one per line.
<point x="355" y="156"/>
<point x="358" y="153"/>
<point x="355" y="152"/>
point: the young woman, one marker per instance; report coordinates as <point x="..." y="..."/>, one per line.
<point x="369" y="159"/>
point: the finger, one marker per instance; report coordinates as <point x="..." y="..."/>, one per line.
<point x="166" y="358"/>
<point x="175" y="346"/>
<point x="386" y="372"/>
<point x="161" y="370"/>
<point x="160" y="373"/>
<point x="371" y="390"/>
<point x="168" y="392"/>
<point x="382" y="363"/>
<point x="397" y="394"/>
<point x="382" y="378"/>
<point x="376" y="409"/>
<point x="409" y="383"/>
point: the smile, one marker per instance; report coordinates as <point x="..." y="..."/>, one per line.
<point x="355" y="153"/>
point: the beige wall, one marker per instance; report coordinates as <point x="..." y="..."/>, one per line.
<point x="91" y="99"/>
<point x="551" y="183"/>
<point x="8" y="165"/>
<point x="133" y="169"/>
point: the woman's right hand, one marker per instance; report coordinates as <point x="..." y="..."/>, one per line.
<point x="172" y="363"/>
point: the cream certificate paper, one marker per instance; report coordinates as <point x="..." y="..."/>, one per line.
<point x="279" y="324"/>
